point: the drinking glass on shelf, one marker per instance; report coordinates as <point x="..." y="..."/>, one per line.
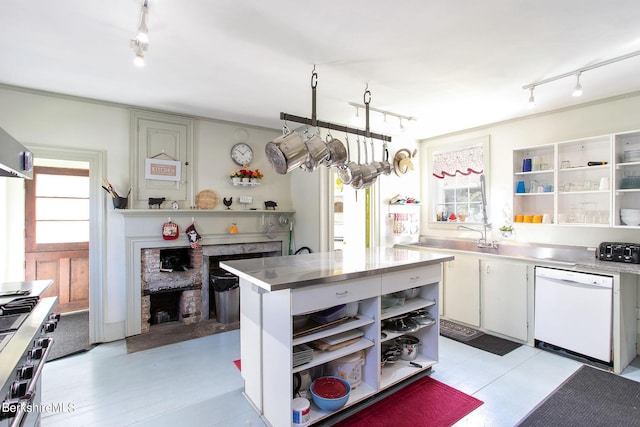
<point x="565" y="164"/>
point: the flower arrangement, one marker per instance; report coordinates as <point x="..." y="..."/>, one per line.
<point x="247" y="173"/>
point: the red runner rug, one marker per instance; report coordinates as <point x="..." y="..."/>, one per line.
<point x="426" y="402"/>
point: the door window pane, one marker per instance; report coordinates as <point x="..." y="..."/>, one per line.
<point x="62" y="208"/>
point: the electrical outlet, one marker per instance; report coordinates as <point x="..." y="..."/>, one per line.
<point x="246" y="199"/>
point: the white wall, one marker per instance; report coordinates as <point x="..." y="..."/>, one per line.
<point x="53" y="121"/>
<point x="616" y="115"/>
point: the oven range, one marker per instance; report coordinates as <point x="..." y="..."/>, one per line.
<point x="26" y="320"/>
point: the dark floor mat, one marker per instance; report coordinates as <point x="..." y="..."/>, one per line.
<point x="476" y="339"/>
<point x="71" y="335"/>
<point x="493" y="344"/>
<point x="590" y="397"/>
<point x="457" y="332"/>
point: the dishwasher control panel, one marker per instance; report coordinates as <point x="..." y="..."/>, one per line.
<point x="619" y="252"/>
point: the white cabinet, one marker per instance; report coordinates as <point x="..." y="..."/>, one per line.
<point x="581" y="166"/>
<point x="564" y="183"/>
<point x="270" y="389"/>
<point x="504" y="298"/>
<point x="528" y="201"/>
<point x="158" y="137"/>
<point x="461" y="291"/>
<point x="627" y="175"/>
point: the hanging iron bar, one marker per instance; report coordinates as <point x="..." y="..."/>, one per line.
<point x="332" y="126"/>
<point x="313" y="121"/>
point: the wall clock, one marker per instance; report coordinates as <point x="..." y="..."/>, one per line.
<point x="241" y="153"/>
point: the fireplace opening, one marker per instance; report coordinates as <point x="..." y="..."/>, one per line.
<point x="165" y="307"/>
<point x="175" y="259"/>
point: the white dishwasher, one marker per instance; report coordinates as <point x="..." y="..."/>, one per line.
<point x="573" y="311"/>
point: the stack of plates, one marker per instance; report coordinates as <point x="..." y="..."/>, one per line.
<point x="629" y="182"/>
<point x="631" y="155"/>
<point x="302" y="354"/>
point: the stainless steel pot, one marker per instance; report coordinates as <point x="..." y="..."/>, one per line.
<point x="286" y="152"/>
<point x="408" y="345"/>
<point x="337" y="152"/>
<point x="317" y="152"/>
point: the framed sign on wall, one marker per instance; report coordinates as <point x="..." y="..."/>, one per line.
<point x="164" y="170"/>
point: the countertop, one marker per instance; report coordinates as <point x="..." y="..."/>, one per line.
<point x="296" y="271"/>
<point x="584" y="258"/>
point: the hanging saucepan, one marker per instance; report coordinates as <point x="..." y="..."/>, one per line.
<point x="356" y="173"/>
<point x="386" y="166"/>
<point x="345" y="170"/>
<point x="369" y="171"/>
<point x="317" y="152"/>
<point x="376" y="164"/>
<point x="286" y="152"/>
<point x="337" y="152"/>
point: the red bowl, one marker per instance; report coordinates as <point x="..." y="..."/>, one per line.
<point x="330" y="387"/>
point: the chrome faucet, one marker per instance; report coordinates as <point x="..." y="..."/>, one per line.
<point x="482" y="241"/>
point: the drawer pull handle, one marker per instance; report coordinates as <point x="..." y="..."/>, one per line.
<point x="341" y="294"/>
<point x="414" y="278"/>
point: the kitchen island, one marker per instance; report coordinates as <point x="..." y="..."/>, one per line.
<point x="275" y="289"/>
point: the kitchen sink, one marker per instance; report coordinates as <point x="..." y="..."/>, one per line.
<point x="558" y="254"/>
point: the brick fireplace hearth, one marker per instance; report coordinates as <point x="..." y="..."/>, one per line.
<point x="185" y="286"/>
<point x="183" y="294"/>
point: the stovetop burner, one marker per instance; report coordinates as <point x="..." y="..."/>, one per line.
<point x="18" y="305"/>
<point x="11" y="322"/>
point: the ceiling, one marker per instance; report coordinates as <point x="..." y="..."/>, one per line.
<point x="452" y="65"/>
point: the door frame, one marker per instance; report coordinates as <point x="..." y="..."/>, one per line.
<point x="97" y="206"/>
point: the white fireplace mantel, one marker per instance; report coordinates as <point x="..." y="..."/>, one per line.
<point x="143" y="229"/>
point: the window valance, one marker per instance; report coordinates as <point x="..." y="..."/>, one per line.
<point x="465" y="161"/>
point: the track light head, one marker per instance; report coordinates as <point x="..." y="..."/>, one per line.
<point x="532" y="99"/>
<point x="143" y="31"/>
<point x="577" y="90"/>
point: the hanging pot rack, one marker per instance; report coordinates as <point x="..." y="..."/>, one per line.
<point x="313" y="121"/>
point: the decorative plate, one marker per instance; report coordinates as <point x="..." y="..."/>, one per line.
<point x="206" y="199"/>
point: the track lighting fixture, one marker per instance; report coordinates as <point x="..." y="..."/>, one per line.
<point x="141" y="42"/>
<point x="404" y="120"/>
<point x="532" y="100"/>
<point x="577" y="91"/>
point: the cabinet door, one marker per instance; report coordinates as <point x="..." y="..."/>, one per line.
<point x="462" y="290"/>
<point x="504" y="298"/>
<point x="161" y="137"/>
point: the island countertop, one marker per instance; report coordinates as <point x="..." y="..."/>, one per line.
<point x="295" y="271"/>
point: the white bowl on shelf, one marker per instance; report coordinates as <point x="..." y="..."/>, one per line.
<point x="630" y="216"/>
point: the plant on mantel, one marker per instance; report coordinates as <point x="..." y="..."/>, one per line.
<point x="245" y="174"/>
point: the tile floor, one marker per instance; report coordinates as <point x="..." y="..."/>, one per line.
<point x="164" y="387"/>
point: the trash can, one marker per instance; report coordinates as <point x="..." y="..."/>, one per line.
<point x="226" y="290"/>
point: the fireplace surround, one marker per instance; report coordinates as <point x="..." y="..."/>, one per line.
<point x="142" y="229"/>
<point x="175" y="287"/>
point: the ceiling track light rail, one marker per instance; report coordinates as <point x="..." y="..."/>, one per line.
<point x="577" y="91"/>
<point x="313" y="121"/>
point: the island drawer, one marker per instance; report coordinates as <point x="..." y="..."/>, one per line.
<point x="406" y="279"/>
<point x="322" y="296"/>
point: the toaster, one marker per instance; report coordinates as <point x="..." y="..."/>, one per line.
<point x="619" y="252"/>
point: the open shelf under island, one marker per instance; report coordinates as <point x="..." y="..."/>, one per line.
<point x="273" y="290"/>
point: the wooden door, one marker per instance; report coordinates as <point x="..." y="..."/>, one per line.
<point x="57" y="230"/>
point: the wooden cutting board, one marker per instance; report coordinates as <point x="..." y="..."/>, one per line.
<point x="321" y="345"/>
